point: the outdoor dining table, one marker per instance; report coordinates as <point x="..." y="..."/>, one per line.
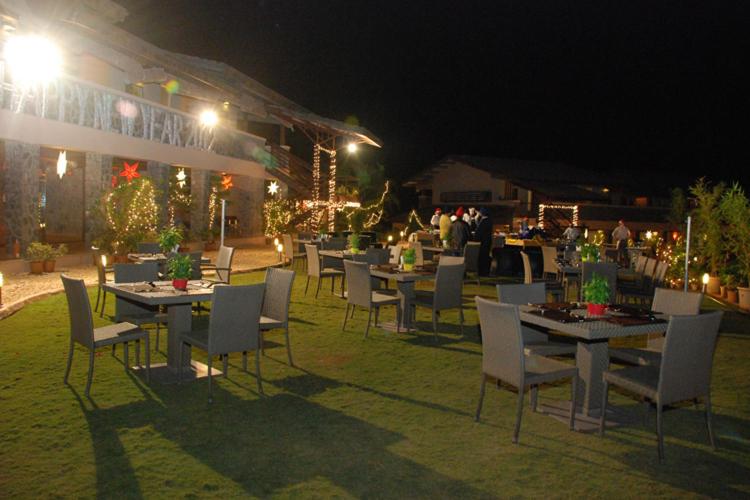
<point x="157" y="257"/>
<point x="592" y="335"/>
<point x="405" y="285"/>
<point x="180" y="317"/>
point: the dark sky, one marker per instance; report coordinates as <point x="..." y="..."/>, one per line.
<point x="643" y="85"/>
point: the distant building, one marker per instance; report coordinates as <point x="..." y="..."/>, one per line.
<point x="516" y="188"/>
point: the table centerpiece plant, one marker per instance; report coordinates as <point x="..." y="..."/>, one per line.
<point x="596" y="294"/>
<point x="170" y="239"/>
<point x="180" y="269"/>
<point x="409" y="258"/>
<point x="589" y="253"/>
<point x="354" y="243"/>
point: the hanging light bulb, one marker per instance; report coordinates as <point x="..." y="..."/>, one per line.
<point x="62" y="164"/>
<point x="181" y="176"/>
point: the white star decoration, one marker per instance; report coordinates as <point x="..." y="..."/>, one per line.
<point x="181" y="176"/>
<point x="273" y="188"/>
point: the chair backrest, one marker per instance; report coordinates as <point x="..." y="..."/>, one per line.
<point x="395" y="254"/>
<point x="101" y="274"/>
<point x="419" y="254"/>
<point x="448" y="260"/>
<point x="661" y="272"/>
<point x="640" y="264"/>
<point x="313" y="260"/>
<point x="195" y="259"/>
<point x="286" y="239"/>
<point x="377" y="256"/>
<point x="471" y="256"/>
<point x="549" y="256"/>
<point x="502" y="344"/>
<point x="358" y="283"/>
<point x="134" y="273"/>
<point x="278" y="293"/>
<point x="687" y="358"/>
<point x="449" y="282"/>
<point x="79" y="310"/>
<point x="148" y="247"/>
<point x="527" y="276"/>
<point x="649" y="268"/>
<point x="235" y="318"/>
<point x="607" y="270"/>
<point x="676" y="302"/>
<point x="224" y="264"/>
<point x="522" y="294"/>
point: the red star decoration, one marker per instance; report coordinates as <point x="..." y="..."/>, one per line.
<point x="129" y="171"/>
<point x="226" y="182"/>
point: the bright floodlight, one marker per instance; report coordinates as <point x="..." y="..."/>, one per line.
<point x="32" y="59"/>
<point x="705" y="278"/>
<point x="209" y="118"/>
<point x="351" y="147"/>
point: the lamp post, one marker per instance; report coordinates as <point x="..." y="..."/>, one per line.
<point x="705" y="282"/>
<point x="280" y="249"/>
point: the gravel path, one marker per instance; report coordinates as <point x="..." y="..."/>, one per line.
<point x="20" y="287"/>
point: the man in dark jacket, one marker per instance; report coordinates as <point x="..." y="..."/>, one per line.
<point x="460" y="232"/>
<point x="483" y="234"/>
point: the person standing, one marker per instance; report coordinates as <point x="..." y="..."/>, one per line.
<point x="483" y="235"/>
<point x="444" y="225"/>
<point x="571" y="234"/>
<point x="460" y="231"/>
<point x="435" y="221"/>
<point x="620" y="237"/>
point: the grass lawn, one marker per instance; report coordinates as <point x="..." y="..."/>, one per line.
<point x="390" y="416"/>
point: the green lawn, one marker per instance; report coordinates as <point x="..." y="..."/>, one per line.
<point x="390" y="416"/>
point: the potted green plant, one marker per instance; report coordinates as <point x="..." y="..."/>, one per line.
<point x="180" y="269"/>
<point x="409" y="257"/>
<point x="170" y="239"/>
<point x="36" y="254"/>
<point x="53" y="255"/>
<point x="735" y="210"/>
<point x="730" y="287"/>
<point x="354" y="243"/>
<point x="589" y="252"/>
<point x="596" y="294"/>
<point x="708" y="226"/>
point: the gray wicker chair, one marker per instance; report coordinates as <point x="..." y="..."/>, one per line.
<point x="360" y="293"/>
<point x="289" y="251"/>
<point x="197" y="270"/>
<point x="503" y="359"/>
<point x="148" y="247"/>
<point x="684" y="374"/>
<point x="549" y="258"/>
<point x="234" y="326"/>
<point x="471" y="258"/>
<point x="132" y="312"/>
<point x="276" y="299"/>
<point x="666" y="301"/>
<point x="395" y="258"/>
<point x="447" y="293"/>
<point x="223" y="266"/>
<point x="534" y="341"/>
<point x="82" y="331"/>
<point x="553" y="287"/>
<point x="314" y="270"/>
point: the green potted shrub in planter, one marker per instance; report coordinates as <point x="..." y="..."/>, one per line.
<point x="708" y="224"/>
<point x="730" y="287"/>
<point x="589" y="253"/>
<point x="54" y="254"/>
<point x="409" y="258"/>
<point x="596" y="294"/>
<point x="354" y="243"/>
<point x="36" y="254"/>
<point x="170" y="239"/>
<point x="735" y="210"/>
<point x="180" y="269"/>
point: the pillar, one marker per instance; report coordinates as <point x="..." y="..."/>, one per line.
<point x="159" y="175"/>
<point x="21" y="193"/>
<point x="200" y="186"/>
<point x="97" y="181"/>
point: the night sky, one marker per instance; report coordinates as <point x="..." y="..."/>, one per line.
<point x="641" y="85"/>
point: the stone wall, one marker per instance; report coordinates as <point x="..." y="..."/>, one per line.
<point x="64" y="207"/>
<point x="21" y="186"/>
<point x="200" y="185"/>
<point x="97" y="179"/>
<point x="159" y="174"/>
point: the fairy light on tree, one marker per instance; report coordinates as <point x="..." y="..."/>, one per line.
<point x="131" y="214"/>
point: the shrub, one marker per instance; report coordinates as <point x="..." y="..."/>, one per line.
<point x="170" y="238"/>
<point x="596" y="291"/>
<point x="39" y="251"/>
<point x="180" y="267"/>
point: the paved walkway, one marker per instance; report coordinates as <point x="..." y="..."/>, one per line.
<point x="20" y="288"/>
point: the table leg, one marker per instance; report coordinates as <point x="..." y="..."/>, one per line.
<point x="592" y="359"/>
<point x="180" y="320"/>
<point x="405" y="293"/>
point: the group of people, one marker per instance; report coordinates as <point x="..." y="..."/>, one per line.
<point x="461" y="226"/>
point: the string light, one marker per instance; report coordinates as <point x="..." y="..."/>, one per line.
<point x="558" y="206"/>
<point x="332" y="191"/>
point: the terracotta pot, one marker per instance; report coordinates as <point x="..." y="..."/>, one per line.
<point x="596" y="309"/>
<point x="713" y="285"/>
<point x="180" y="283"/>
<point x="36" y="267"/>
<point x="744" y="297"/>
<point x="49" y="266"/>
<point x="732" y="296"/>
